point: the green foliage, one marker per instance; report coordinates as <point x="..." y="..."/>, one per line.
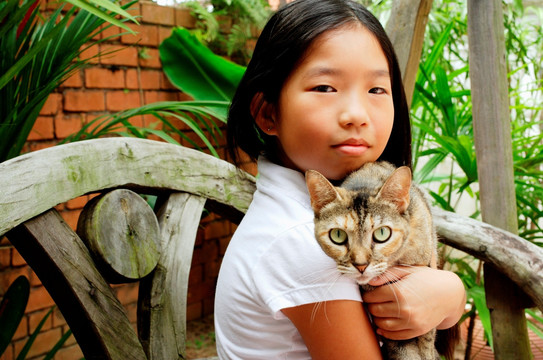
<point x="196" y="70"/>
<point x="196" y="115"/>
<point x="12" y="310"/>
<point x="227" y="26"/>
<point x="38" y="54"/>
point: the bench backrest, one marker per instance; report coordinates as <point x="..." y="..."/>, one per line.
<point x="120" y="239"/>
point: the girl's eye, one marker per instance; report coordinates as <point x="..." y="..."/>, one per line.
<point x="378" y="90"/>
<point x="338" y="236"/>
<point x="324" y="88"/>
<point x="382" y="234"/>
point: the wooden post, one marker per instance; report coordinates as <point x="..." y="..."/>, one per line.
<point x="405" y="28"/>
<point x="489" y="88"/>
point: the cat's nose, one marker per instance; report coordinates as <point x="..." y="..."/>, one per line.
<point x="361" y="268"/>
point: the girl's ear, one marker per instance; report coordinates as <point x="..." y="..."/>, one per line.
<point x="263" y="113"/>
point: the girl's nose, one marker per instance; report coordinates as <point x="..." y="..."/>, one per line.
<point x="354" y="116"/>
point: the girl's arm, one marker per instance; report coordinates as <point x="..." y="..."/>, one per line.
<point x="423" y="299"/>
<point x="338" y="329"/>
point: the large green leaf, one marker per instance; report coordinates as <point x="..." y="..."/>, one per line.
<point x="12" y="309"/>
<point x="196" y="70"/>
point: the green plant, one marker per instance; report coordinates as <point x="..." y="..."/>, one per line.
<point x="443" y="131"/>
<point x="39" y="52"/>
<point x="12" y="308"/>
<point x="227" y="26"/>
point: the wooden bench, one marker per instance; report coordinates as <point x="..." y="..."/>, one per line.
<point x="120" y="239"/>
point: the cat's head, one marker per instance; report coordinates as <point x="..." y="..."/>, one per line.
<point x="363" y="230"/>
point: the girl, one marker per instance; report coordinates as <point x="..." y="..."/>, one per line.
<point x="323" y="91"/>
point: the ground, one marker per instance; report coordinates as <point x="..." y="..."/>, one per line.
<point x="201" y="338"/>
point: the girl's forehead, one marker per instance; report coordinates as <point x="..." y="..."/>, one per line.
<point x="341" y="43"/>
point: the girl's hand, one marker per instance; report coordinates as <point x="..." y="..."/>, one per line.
<point x="421" y="300"/>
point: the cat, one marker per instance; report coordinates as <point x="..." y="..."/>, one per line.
<point x="374" y="220"/>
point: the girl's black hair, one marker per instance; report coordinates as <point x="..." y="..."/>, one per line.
<point x="279" y="49"/>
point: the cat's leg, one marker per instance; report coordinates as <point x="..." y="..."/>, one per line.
<point x="419" y="348"/>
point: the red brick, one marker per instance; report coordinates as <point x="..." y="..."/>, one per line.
<point x="132" y="313"/>
<point x="200" y="291"/>
<point x="209" y="306"/>
<point x="149" y="57"/>
<point x="52" y="104"/>
<point x="83" y="101"/>
<point x="146" y="35"/>
<point x="134" y="10"/>
<point x="74" y="81"/>
<point x="164" y="33"/>
<point x="184" y="18"/>
<point x="77" y="203"/>
<point x="72" y="352"/>
<point x="166" y="84"/>
<point x="122" y="100"/>
<point x="8" y="353"/>
<point x="5" y="257"/>
<point x="194" y="311"/>
<point x="39" y="299"/>
<point x="217" y="229"/>
<point x="44" y="342"/>
<point x="157" y="14"/>
<point x="42" y="129"/>
<point x="68" y="124"/>
<point x="9" y="275"/>
<point x="196" y="275"/>
<point x="212" y="269"/>
<point x="127" y="293"/>
<point x="104" y="78"/>
<point x="146" y="79"/>
<point x="156" y="96"/>
<point x="36" y="317"/>
<point x="17" y="259"/>
<point x="22" y="329"/>
<point x="58" y="318"/>
<point x="110" y="32"/>
<point x="90" y="55"/>
<point x="118" y="55"/>
<point x="71" y="217"/>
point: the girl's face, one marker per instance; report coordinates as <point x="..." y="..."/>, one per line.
<point x="335" y="111"/>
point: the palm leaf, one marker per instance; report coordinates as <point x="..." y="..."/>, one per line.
<point x="196" y="70"/>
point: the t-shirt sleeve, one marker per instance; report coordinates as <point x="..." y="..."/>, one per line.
<point x="294" y="271"/>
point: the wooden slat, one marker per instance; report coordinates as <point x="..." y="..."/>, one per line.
<point x="405" y="28"/>
<point x="63" y="264"/>
<point x="491" y="126"/>
<point x="519" y="259"/>
<point x="163" y="296"/>
<point x="38" y="181"/>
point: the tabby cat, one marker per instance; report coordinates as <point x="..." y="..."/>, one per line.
<point x="375" y="220"/>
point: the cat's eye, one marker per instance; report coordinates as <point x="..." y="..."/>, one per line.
<point x="382" y="234"/>
<point x="338" y="236"/>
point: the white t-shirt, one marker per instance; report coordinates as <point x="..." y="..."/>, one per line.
<point x="273" y="262"/>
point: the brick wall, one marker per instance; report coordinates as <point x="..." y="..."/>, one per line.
<point x="129" y="78"/>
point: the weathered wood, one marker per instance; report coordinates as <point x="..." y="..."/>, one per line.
<point x="38" y="181"/>
<point x="63" y="264"/>
<point x="163" y="296"/>
<point x="405" y="28"/>
<point x="122" y="234"/>
<point x="520" y="260"/>
<point x="492" y="132"/>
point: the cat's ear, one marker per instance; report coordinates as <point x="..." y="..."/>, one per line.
<point x="396" y="188"/>
<point x="321" y="191"/>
